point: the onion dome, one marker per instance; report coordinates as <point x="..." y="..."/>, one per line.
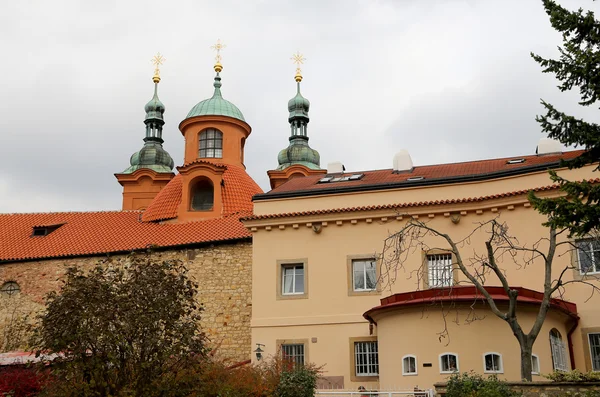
<point x="298" y="106"/>
<point x="216" y="105"/>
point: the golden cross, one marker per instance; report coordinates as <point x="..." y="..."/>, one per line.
<point x="157" y="60"/>
<point x="218" y="47"/>
<point x="298" y="59"/>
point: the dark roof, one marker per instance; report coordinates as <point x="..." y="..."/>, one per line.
<point x="432" y="174"/>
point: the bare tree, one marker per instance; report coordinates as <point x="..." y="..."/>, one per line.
<point x="484" y="269"/>
<point x="14" y="323"/>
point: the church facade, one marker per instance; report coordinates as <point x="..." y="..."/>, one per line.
<point x="302" y="270"/>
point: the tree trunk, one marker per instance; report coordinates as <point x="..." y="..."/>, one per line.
<point x="526" y="349"/>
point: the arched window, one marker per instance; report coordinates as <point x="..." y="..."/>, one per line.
<point x="409" y="365"/>
<point x="492" y="363"/>
<point x="10" y="288"/>
<point x="557" y="347"/>
<point x="448" y="363"/>
<point x="202" y="196"/>
<point x="211" y="144"/>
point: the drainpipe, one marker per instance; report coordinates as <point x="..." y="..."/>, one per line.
<point x="570" y="342"/>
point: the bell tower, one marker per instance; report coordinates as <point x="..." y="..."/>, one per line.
<point x="298" y="159"/>
<point x="151" y="168"/>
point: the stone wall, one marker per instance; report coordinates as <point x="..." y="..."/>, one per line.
<point x="543" y="389"/>
<point x="223" y="273"/>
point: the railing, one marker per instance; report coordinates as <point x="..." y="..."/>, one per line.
<point x="348" y="393"/>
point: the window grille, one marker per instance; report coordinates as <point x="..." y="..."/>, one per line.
<point x="588" y="253"/>
<point x="557" y="348"/>
<point x="493" y="362"/>
<point x="293" y="352"/>
<point x="292" y="279"/>
<point x="366" y="359"/>
<point x="364" y="275"/>
<point x="439" y="268"/>
<point x="211" y="143"/>
<point x="448" y="363"/>
<point x="409" y="365"/>
<point x="595" y="351"/>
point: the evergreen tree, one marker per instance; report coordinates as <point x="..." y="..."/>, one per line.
<point x="577" y="66"/>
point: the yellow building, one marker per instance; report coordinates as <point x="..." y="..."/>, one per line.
<point x="323" y="293"/>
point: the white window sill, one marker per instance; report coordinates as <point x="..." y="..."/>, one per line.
<point x="494" y="372"/>
<point x="449" y="372"/>
<point x="410" y="374"/>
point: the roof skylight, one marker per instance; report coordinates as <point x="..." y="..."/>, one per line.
<point x="515" y="161"/>
<point x="331" y="179"/>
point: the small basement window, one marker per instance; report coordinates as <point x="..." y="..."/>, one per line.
<point x="515" y="161"/>
<point x="40" y="231"/>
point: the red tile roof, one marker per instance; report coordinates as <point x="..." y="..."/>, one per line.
<point x="376" y="178"/>
<point x="93" y="233"/>
<point x="237" y="193"/>
<point x="403" y="205"/>
<point x="466" y="293"/>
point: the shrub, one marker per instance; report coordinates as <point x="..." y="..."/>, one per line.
<point x="573" y="376"/>
<point x="474" y="385"/>
<point x="20" y="381"/>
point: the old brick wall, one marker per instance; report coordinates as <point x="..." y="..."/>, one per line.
<point x="223" y="273"/>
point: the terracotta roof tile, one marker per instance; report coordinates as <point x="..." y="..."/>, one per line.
<point x="93" y="233"/>
<point x="238" y="190"/>
<point x="429" y="172"/>
<point x="402" y="205"/>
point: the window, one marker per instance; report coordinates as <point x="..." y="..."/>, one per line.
<point x="448" y="363"/>
<point x="366" y="358"/>
<point x="292" y="282"/>
<point x="557" y="347"/>
<point x="10" y="288"/>
<point x="588" y="254"/>
<point x="364" y="274"/>
<point x="594" y="340"/>
<point x="202" y="196"/>
<point x="293" y="352"/>
<point x="439" y="270"/>
<point x="535" y="364"/>
<point x="211" y="144"/>
<point x="409" y="365"/>
<point x="492" y="363"/>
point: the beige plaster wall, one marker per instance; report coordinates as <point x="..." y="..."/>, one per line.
<point x="223" y="273"/>
<point x="326" y="241"/>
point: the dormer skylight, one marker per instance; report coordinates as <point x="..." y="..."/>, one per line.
<point x="515" y="161"/>
<point x="40" y="231"/>
<point x="332" y="179"/>
<point x="415" y="178"/>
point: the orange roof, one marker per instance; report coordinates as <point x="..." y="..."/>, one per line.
<point x="93" y="233"/>
<point x="439" y="173"/>
<point x="238" y="190"/>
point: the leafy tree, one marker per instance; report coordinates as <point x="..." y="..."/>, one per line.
<point x="577" y="66"/>
<point x="126" y="327"/>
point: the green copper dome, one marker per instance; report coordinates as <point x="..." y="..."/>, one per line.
<point x="155" y="108"/>
<point x="298" y="106"/>
<point x="216" y="105"/>
<point x="298" y="152"/>
<point x="151" y="156"/>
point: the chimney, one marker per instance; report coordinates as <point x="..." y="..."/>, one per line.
<point x="335" y="167"/>
<point x="402" y="161"/>
<point x="548" y="146"/>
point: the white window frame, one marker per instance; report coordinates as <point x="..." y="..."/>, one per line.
<point x="535" y="363"/>
<point x="294" y="356"/>
<point x="368" y="355"/>
<point x="440" y="272"/>
<point x="595" y="369"/>
<point x="500" y="362"/>
<point x="365" y="289"/>
<point x="595" y="266"/>
<point x="558" y="352"/>
<point x="293" y="266"/>
<point x="404" y="369"/>
<point x="441" y="366"/>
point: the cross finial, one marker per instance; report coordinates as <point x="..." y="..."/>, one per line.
<point x="157" y="60"/>
<point x="218" y="47"/>
<point x="298" y="59"/>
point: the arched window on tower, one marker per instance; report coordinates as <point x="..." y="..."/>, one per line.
<point x="202" y="195"/>
<point x="211" y="144"/>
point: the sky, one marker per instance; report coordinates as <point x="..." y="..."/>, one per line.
<point x="447" y="80"/>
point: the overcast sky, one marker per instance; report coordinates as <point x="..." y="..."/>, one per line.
<point x="448" y="80"/>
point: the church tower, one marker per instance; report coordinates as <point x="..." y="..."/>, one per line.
<point x="151" y="168"/>
<point x="298" y="159"/>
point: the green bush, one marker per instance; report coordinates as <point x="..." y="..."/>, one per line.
<point x="574" y="376"/>
<point x="474" y="385"/>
